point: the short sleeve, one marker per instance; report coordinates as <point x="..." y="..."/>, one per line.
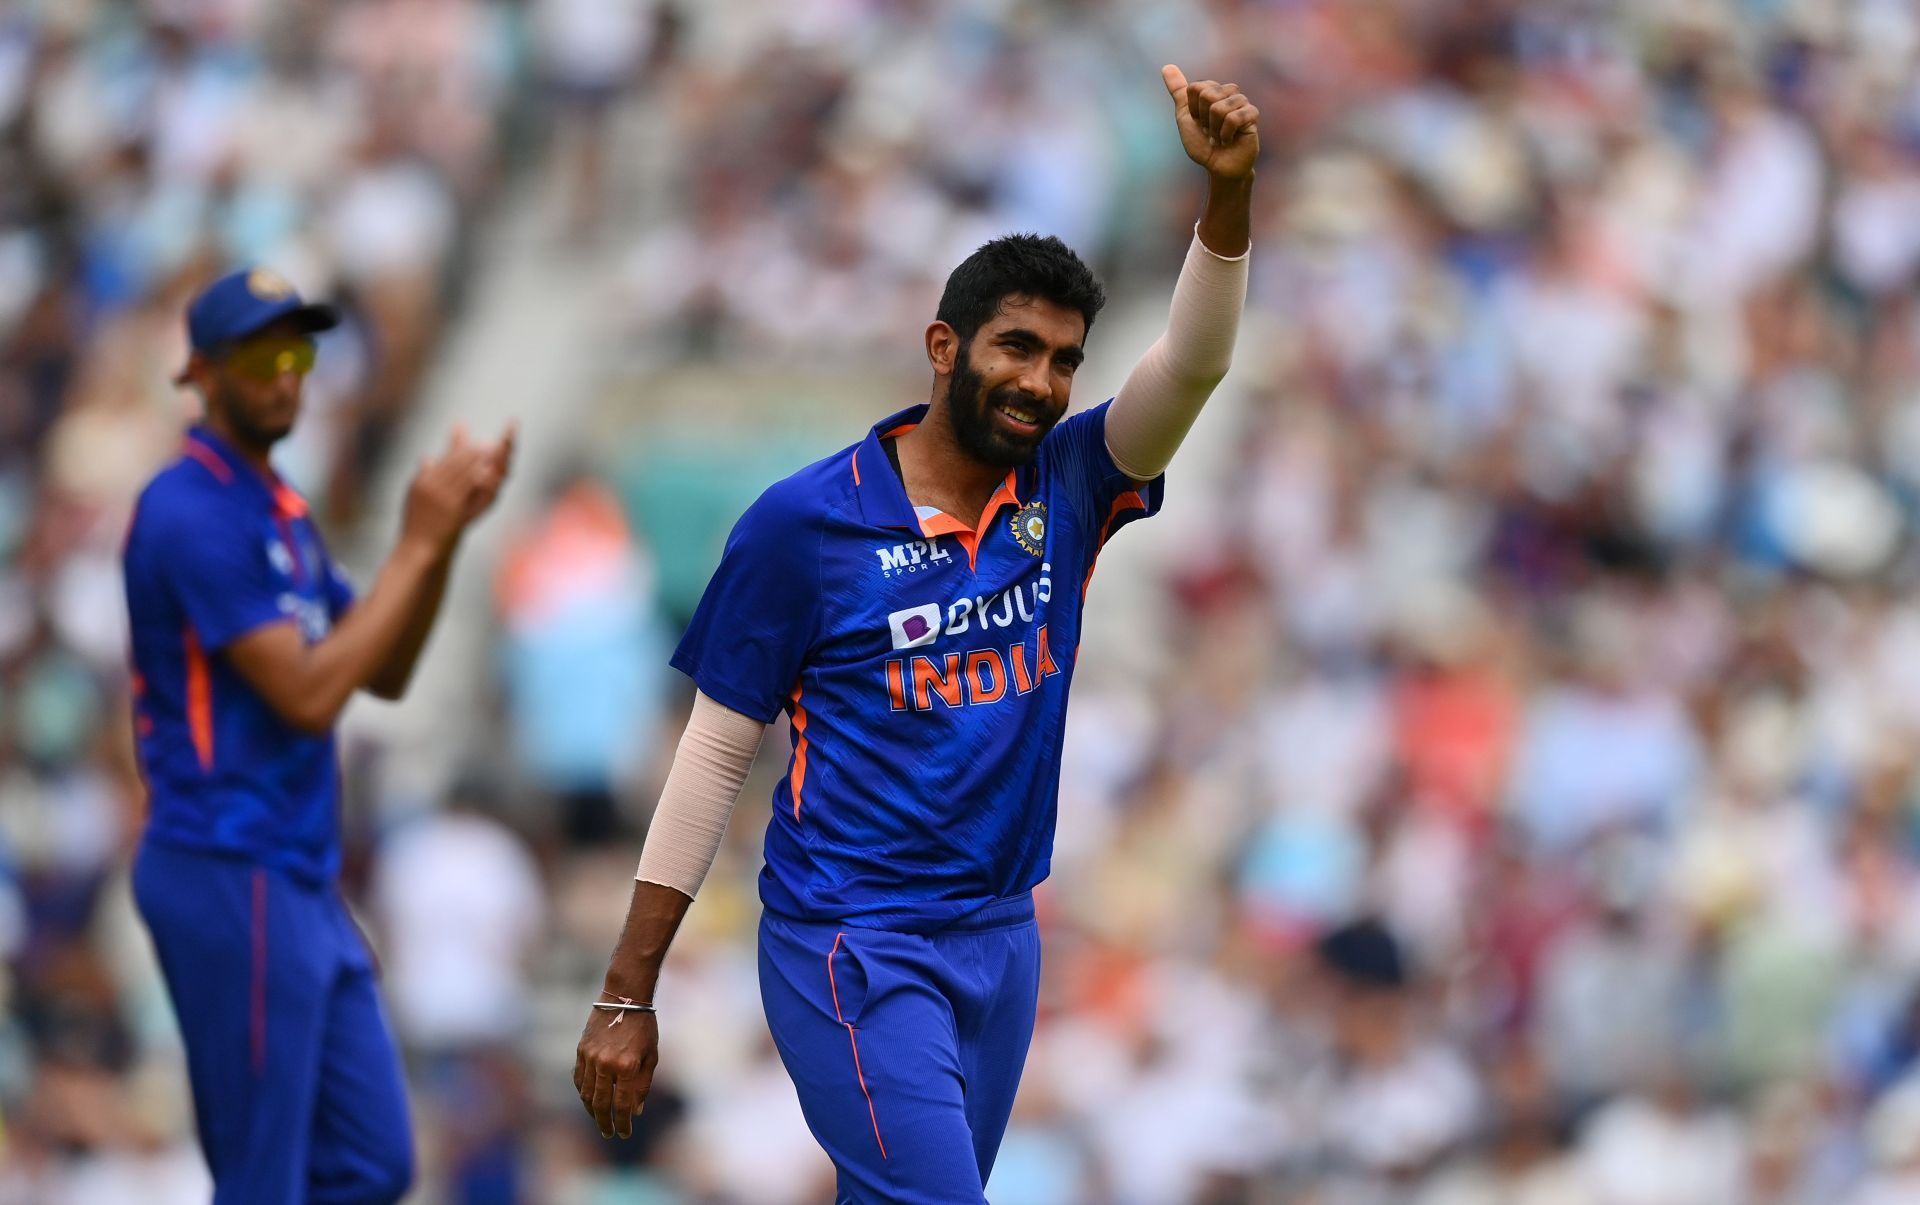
<point x="1076" y="454"/>
<point x="215" y="564"/>
<point x="751" y="631"/>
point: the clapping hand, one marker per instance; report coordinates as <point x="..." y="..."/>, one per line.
<point x="451" y="490"/>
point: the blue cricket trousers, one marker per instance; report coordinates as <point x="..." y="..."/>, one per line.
<point x="906" y="1048"/>
<point x="296" y="1085"/>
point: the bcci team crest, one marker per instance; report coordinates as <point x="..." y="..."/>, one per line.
<point x="268" y="285"/>
<point x="1030" y="527"/>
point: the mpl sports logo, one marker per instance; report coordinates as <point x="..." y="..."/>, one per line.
<point x="914" y="556"/>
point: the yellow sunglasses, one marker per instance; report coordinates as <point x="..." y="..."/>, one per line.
<point x="263" y="360"/>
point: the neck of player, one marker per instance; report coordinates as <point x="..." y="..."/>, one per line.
<point x="938" y="472"/>
<point x="257" y="455"/>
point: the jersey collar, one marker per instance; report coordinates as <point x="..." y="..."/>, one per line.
<point x="228" y="466"/>
<point x="883" y="496"/>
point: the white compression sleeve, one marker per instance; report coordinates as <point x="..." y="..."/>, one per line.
<point x="1156" y="406"/>
<point x="709" y="768"/>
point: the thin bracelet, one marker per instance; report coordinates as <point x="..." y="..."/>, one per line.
<point x="623" y="1008"/>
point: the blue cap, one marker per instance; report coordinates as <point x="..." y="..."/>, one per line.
<point x="242" y="303"/>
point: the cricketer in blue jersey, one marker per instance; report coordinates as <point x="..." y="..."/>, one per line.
<point x="247" y="642"/>
<point x="913" y="605"/>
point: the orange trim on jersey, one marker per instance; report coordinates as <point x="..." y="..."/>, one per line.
<point x="1131" y="500"/>
<point x="798" y="777"/>
<point x="856" y="466"/>
<point x="288" y="505"/>
<point x="199" y="700"/>
<point x="137" y="688"/>
<point x="287" y="501"/>
<point x="210" y="460"/>
<point x="855" y="1042"/>
<point x="285" y="526"/>
<point x="940" y="523"/>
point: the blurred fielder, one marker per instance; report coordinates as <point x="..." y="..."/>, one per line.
<point x="913" y="603"/>
<point x="247" y="642"/>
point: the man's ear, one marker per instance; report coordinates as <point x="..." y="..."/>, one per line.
<point x="194" y="375"/>
<point x="943" y="347"/>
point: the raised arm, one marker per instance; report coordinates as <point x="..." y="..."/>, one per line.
<point x="396" y="671"/>
<point x="1161" y="397"/>
<point x="613" y="1067"/>
<point x="309" y="684"/>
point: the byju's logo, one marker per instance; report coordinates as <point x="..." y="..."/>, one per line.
<point x="912" y="557"/>
<point x="915" y="626"/>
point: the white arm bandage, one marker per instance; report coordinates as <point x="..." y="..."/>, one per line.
<point x="1156" y="406"/>
<point x="709" y="768"/>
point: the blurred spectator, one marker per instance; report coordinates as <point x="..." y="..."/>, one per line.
<point x="1893" y="1134"/>
<point x="1394" y="1098"/>
<point x="1665" y="1149"/>
<point x="583" y="663"/>
<point x="1524" y="1156"/>
<point x="462" y="908"/>
<point x="1614" y="989"/>
<point x="591" y="51"/>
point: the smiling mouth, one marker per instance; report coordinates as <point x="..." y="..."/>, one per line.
<point x="1021" y="418"/>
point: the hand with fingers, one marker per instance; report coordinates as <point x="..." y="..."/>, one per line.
<point x="438" y="499"/>
<point x="489" y="472"/>
<point x="451" y="490"/>
<point x="1219" y="126"/>
<point x="613" y="1068"/>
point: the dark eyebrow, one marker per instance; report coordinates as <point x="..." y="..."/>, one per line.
<point x="1020" y="334"/>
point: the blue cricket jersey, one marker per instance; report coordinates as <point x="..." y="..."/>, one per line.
<point x="216" y="551"/>
<point x="924" y="666"/>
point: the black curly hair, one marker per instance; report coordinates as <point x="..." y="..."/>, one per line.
<point x="1024" y="265"/>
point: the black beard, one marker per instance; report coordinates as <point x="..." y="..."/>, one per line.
<point x="254" y="435"/>
<point x="970" y="409"/>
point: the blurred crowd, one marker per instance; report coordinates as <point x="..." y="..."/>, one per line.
<point x="1532" y="791"/>
<point x="1518" y="799"/>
